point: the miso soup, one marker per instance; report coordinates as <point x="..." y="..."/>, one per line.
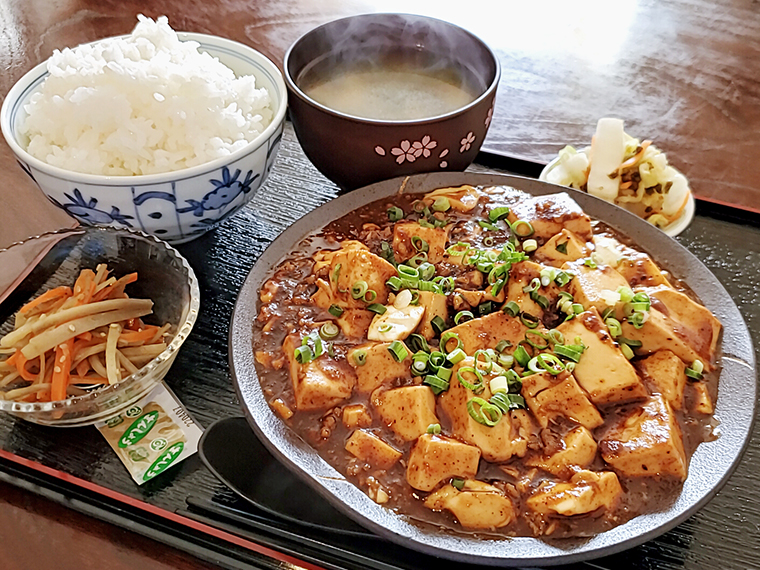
<point x="391" y="90"/>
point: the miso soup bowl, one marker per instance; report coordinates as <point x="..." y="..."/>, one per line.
<point x="355" y="151"/>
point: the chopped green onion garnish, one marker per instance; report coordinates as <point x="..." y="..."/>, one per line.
<point x="488" y="226"/>
<point x="456" y="356"/>
<point x="441" y="204"/>
<point x="501" y="345"/>
<point x="384" y="328"/>
<point x="629" y="342"/>
<point x="335" y="310"/>
<point x="521" y="355"/>
<point x="530" y="245"/>
<point x="562" y="248"/>
<point x="588" y="262"/>
<point x="562" y="278"/>
<point x="507" y="402"/>
<point x="459" y="249"/>
<point x="537" y="344"/>
<point x="627" y="352"/>
<point x="478" y="386"/>
<point x="626" y="294"/>
<point x="614" y="327"/>
<point x="369" y="296"/>
<point x="498" y="213"/>
<point x="420" y="244"/>
<point x="548" y="362"/>
<point x="486" y="414"/>
<point x="358" y="289"/>
<point x="437" y="384"/>
<point x="446" y="339"/>
<point x="534" y="284"/>
<point x="434" y="429"/>
<point x="398" y="350"/>
<point x="556" y="337"/>
<point x="329" y="331"/>
<point x="567" y="352"/>
<point x="529" y="320"/>
<point x="463" y="316"/>
<point x="522" y="228"/>
<point x="437" y="359"/>
<point x="577" y="308"/>
<point x="418" y="343"/>
<point x="693" y="374"/>
<point x="438" y="324"/>
<point x="444" y="373"/>
<point x="377" y="308"/>
<point x="697" y="366"/>
<point x="488" y="241"/>
<point x="506" y="360"/>
<point x="485" y="308"/>
<point x="386" y="251"/>
<point x="336" y="273"/>
<point x="395" y="214"/>
<point x="457" y="483"/>
<point x="360" y="357"/>
<point x="638" y="319"/>
<point x="512" y="309"/>
<point x="304" y="355"/>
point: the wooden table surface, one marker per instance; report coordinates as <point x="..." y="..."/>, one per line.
<point x="685" y="73"/>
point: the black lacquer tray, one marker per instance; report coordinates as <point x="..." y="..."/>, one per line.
<point x="187" y="507"/>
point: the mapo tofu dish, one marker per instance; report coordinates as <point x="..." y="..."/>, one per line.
<point x="491" y="362"/>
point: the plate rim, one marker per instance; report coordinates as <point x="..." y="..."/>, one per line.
<point x="738" y="373"/>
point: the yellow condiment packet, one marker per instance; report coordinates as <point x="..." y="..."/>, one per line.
<point x="152" y="435"/>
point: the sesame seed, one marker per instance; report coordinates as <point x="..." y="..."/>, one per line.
<point x="57" y="369"/>
<point x="72" y="328"/>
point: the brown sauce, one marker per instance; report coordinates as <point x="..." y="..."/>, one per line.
<point x="287" y="308"/>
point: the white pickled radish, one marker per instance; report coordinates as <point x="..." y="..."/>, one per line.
<point x="676" y="196"/>
<point x="607" y="153"/>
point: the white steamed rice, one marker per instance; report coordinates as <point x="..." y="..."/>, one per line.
<point x="143" y="104"/>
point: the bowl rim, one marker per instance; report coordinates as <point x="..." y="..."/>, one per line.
<point x="232" y="47"/>
<point x="298" y="92"/>
<point x="183" y="329"/>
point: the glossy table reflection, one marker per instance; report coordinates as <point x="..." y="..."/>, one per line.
<point x="683" y="73"/>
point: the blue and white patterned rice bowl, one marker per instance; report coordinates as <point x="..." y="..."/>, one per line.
<point x="174" y="206"/>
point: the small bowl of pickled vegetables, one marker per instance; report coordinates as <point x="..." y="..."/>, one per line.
<point x="91" y="320"/>
<point x="626" y="171"/>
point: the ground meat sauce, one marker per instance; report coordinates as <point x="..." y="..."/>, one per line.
<point x="287" y="308"/>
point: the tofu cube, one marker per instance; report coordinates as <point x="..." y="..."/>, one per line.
<point x="435" y="458"/>
<point x="588" y="285"/>
<point x="579" y="451"/>
<point x="586" y="492"/>
<point x="320" y="384"/>
<point x="372" y="450"/>
<point x="356" y="416"/>
<point x="355" y="322"/>
<point x="379" y="368"/>
<point x="403" y="249"/>
<point x="477" y="506"/>
<point x="550" y="214"/>
<point x="703" y="403"/>
<point x="395" y="324"/>
<point x="646" y="442"/>
<point x="561" y="248"/>
<point x="666" y="374"/>
<point x="408" y="411"/>
<point x="603" y="371"/>
<point x="639" y="270"/>
<point x="435" y="306"/>
<point x="341" y="268"/>
<point x="498" y="443"/>
<point x="520" y="276"/>
<point x="550" y="396"/>
<point x="486" y="332"/>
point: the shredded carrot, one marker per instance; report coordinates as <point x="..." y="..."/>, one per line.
<point x="21" y="367"/>
<point x="47" y="296"/>
<point x="83" y="367"/>
<point x="136" y="336"/>
<point x="85" y="336"/>
<point x="635" y="158"/>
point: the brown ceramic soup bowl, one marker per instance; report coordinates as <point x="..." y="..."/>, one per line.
<point x="353" y="150"/>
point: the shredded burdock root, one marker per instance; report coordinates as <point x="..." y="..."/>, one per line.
<point x="69" y="340"/>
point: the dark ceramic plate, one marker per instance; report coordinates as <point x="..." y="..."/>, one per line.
<point x="710" y="466"/>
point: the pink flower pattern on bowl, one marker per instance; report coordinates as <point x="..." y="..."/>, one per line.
<point x="489" y="116"/>
<point x="467" y="141"/>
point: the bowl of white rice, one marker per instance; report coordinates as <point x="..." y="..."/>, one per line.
<point x="166" y="132"/>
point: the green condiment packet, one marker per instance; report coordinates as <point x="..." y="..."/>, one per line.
<point x="152" y="435"/>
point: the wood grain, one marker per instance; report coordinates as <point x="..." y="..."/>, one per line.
<point x="685" y="73"/>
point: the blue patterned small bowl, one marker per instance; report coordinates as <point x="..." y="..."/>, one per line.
<point x="175" y="206"/>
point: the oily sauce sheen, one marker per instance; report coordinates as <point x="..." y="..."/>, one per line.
<point x="590" y="448"/>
